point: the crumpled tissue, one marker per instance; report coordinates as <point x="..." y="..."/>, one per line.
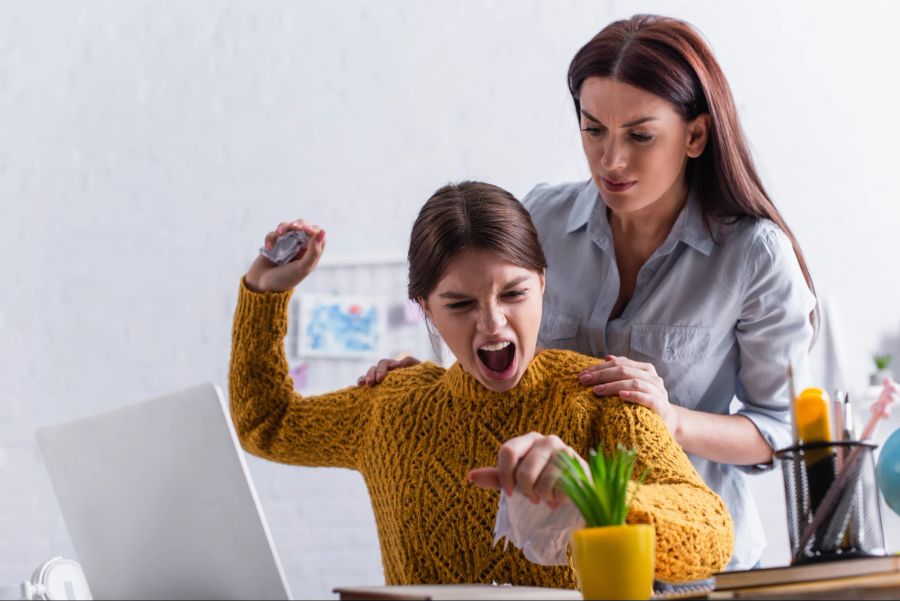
<point x="541" y="532"/>
<point x="286" y="247"/>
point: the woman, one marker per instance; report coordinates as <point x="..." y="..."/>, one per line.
<point x="672" y="262"/>
<point x="477" y="270"/>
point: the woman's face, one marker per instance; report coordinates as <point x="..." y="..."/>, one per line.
<point x="488" y="311"/>
<point x="637" y="145"/>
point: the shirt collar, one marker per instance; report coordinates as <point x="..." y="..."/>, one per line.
<point x="688" y="227"/>
<point x="583" y="206"/>
<point x="692" y="230"/>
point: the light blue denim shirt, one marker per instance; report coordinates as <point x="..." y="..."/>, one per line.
<point x="718" y="318"/>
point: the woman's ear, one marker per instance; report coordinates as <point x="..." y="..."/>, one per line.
<point x="698" y="135"/>
<point x="543" y="278"/>
<point x="423" y="304"/>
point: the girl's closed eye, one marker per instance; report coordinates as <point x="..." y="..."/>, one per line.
<point x="641" y="137"/>
<point x="459" y="305"/>
<point x="515" y="294"/>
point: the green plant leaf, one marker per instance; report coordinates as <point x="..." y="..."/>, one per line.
<point x="602" y="494"/>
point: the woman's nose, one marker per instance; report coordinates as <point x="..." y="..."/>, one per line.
<point x="613" y="157"/>
<point x="491" y="320"/>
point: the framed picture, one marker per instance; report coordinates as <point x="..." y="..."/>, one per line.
<point x="337" y="326"/>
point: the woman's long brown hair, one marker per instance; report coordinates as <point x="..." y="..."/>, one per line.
<point x="669" y="58"/>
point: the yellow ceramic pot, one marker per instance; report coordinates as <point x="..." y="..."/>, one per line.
<point x="615" y="562"/>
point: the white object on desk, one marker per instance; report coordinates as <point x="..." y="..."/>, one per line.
<point x="159" y="503"/>
<point x="57" y="578"/>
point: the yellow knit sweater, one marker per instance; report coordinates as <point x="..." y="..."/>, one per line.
<point x="415" y="436"/>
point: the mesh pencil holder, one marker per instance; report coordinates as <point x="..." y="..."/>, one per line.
<point x="832" y="501"/>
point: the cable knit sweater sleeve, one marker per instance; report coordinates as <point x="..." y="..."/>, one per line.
<point x="273" y="421"/>
<point x="694" y="531"/>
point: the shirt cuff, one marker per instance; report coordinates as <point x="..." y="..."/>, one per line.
<point x="776" y="432"/>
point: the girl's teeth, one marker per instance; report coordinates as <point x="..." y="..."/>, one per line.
<point x="495" y="347"/>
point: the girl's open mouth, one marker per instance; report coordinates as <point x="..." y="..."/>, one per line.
<point x="498" y="361"/>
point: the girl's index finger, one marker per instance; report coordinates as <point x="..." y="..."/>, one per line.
<point x="485" y="477"/>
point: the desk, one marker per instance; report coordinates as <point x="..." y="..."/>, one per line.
<point x="460" y="592"/>
<point x="871" y="586"/>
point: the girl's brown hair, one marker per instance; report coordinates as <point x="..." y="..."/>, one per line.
<point x="668" y="58"/>
<point x="469" y="215"/>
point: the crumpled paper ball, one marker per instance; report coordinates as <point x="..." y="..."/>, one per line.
<point x="286" y="247"/>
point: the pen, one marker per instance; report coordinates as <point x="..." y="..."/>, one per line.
<point x="837" y="414"/>
<point x="849" y="429"/>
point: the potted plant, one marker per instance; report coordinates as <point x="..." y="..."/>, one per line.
<point x="882" y="362"/>
<point x="613" y="560"/>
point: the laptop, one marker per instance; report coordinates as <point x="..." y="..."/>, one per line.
<point x="159" y="503"/>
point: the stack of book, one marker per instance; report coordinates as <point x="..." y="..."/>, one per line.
<point x="845" y="579"/>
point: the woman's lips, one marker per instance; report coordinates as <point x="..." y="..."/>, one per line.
<point x="616" y="186"/>
<point x="499" y="376"/>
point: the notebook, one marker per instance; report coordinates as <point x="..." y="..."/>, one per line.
<point x="842" y="568"/>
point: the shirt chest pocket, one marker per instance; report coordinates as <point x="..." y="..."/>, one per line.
<point x="675" y="352"/>
<point x="670" y="343"/>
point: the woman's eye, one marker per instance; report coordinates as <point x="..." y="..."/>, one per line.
<point x="459" y="305"/>
<point x="592" y="131"/>
<point x="643" y="138"/>
<point x="514" y="294"/>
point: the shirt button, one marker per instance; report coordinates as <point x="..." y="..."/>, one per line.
<point x="669" y="352"/>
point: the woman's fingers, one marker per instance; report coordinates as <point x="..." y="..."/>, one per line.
<point x="485" y="477"/>
<point x="608" y="371"/>
<point x="307" y="261"/>
<point x="611" y="381"/>
<point x="378" y="372"/>
<point x="527" y="464"/>
<point x="288" y="226"/>
<point x="299" y="225"/>
<point x="643" y="399"/>
<point x="489" y="478"/>
<point x="369" y="377"/>
<point x="511" y="452"/>
<point x="635" y="384"/>
<point x="407" y="361"/>
<point x="382" y="368"/>
<point x="385" y="366"/>
<point x="612" y="362"/>
<point x="545" y="486"/>
<point x="537" y="464"/>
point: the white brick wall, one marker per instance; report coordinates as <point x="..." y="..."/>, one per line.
<point x="147" y="146"/>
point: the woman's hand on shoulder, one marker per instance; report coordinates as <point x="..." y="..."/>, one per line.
<point x="634" y="382"/>
<point x="527" y="464"/>
<point x="378" y="371"/>
<point x="266" y="276"/>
